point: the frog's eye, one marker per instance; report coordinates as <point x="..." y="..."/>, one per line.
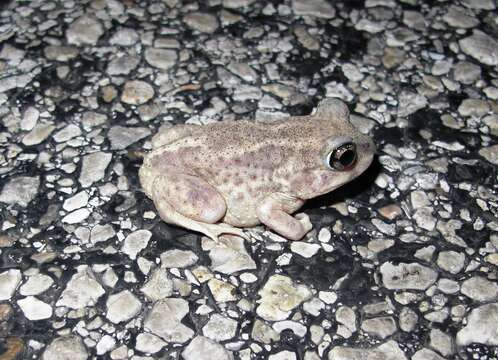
<point x="343" y="157"/>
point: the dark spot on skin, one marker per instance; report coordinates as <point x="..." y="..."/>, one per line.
<point x="240" y="196"/>
<point x="253" y="177"/>
<point x="238" y="181"/>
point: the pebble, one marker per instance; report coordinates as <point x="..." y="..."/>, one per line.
<point x="424" y="218"/>
<point x="159" y="285"/>
<point x="9" y="280"/>
<point x="328" y="297"/>
<point x="164" y="320"/>
<point x="149" y="343"/>
<point x="137" y="92"/>
<point x="466" y="72"/>
<point x="451" y="261"/>
<point x="242" y="70"/>
<point x="124" y="37"/>
<point x="122" y="307"/>
<point x="481" y="47"/>
<point x="346" y="317"/>
<point x="481" y="328"/>
<point x="479" y="4"/>
<point x="427" y="354"/>
<point x="393" y="57"/>
<point x="264" y="333"/>
<point x="473" y="107"/>
<point x="93" y="168"/>
<point x="85" y="30"/>
<point x="35" y="309"/>
<point x="324" y="235"/>
<point x="64" y="348"/>
<point x="178" y="258"/>
<point x="202" y="348"/>
<point x="407" y="276"/>
<point x="306" y="250"/>
<point x="105" y="344"/>
<point x="448" y="286"/>
<point x="279" y="297"/>
<point x="230" y="256"/>
<point x="414" y="20"/>
<point x="38" y="135"/>
<point x="480" y="289"/>
<point x="222" y="291"/>
<point x="389" y="350"/>
<point x="381" y="327"/>
<point x="136" y="242"/>
<point x="82" y="290"/>
<point x="306" y="39"/>
<point x="202" y="22"/>
<point x="441" y="342"/>
<point x="122" y="65"/>
<point x="76" y="216"/>
<point x="30" y="118"/>
<point x="61" y="53"/>
<point x="410" y="103"/>
<point x="91" y="119"/>
<point x="489" y="153"/>
<point x="459" y="17"/>
<point x="220" y="328"/>
<point x="408" y="319"/>
<point x="36" y="284"/>
<point x="76" y="201"/>
<point x="283" y="355"/>
<point x="163" y="59"/>
<point x="20" y="190"/>
<point x="67" y="133"/>
<point x="237" y="4"/>
<point x="316" y="8"/>
<point x="101" y="233"/>
<point x="313" y="306"/>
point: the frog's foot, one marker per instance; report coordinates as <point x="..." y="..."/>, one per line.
<point x="272" y="213"/>
<point x="214" y="231"/>
<point x="305" y="221"/>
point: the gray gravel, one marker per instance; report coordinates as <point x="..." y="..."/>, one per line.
<point x="400" y="264"/>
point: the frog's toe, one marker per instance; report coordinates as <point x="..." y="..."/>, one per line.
<point x="305" y="221"/>
<point x="214" y="231"/>
<point x="228" y="229"/>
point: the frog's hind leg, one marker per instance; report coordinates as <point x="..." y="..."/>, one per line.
<point x="166" y="136"/>
<point x="192" y="203"/>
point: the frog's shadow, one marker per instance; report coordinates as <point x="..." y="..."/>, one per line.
<point x="357" y="189"/>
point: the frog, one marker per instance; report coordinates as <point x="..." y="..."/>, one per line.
<point x="224" y="177"/>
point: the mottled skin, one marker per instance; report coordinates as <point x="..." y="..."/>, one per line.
<point x="220" y="177"/>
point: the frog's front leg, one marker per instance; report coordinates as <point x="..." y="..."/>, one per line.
<point x="192" y="203"/>
<point x="274" y="213"/>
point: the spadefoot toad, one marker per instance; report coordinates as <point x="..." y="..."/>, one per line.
<point x="218" y="178"/>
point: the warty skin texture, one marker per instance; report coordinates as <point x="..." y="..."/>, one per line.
<point x="215" y="177"/>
